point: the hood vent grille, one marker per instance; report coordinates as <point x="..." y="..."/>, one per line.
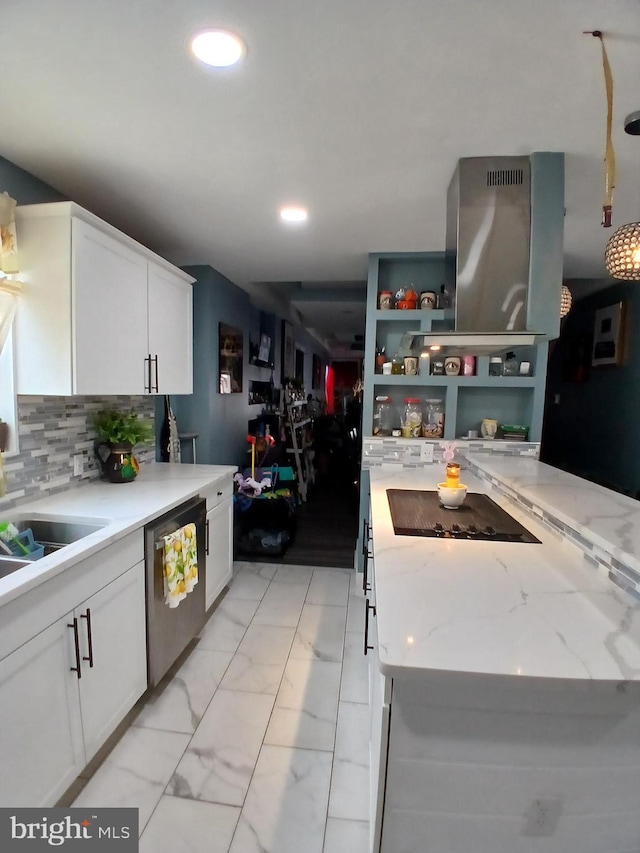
<point x="505" y="177"/>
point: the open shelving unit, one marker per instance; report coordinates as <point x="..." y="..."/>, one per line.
<point x="296" y="421"/>
<point x="466" y="399"/>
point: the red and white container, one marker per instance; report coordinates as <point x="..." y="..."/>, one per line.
<point x="468" y="365"/>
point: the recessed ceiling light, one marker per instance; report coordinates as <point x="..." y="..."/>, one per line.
<point x="293" y="214"/>
<point x="218" y="47"/>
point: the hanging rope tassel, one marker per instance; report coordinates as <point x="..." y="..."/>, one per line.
<point x="610" y="154"/>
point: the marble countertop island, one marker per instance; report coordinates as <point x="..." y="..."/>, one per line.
<point x="120" y="509"/>
<point x="536" y="610"/>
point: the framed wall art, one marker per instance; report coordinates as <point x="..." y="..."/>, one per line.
<point x="231" y="353"/>
<point x="288" y="352"/>
<point x="608" y="335"/>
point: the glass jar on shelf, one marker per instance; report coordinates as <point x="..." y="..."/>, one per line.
<point x="383" y="417"/>
<point x="411" y="424"/>
<point x="397" y="365"/>
<point x="433" y="421"/>
<point x="385" y="300"/>
<point x="495" y="366"/>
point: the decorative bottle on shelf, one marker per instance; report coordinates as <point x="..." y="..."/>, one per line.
<point x="442" y="299"/>
<point x="510" y="365"/>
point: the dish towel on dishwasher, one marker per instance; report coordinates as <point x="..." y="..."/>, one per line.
<point x="180" y="565"/>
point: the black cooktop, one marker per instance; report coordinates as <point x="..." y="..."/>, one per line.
<point x="419" y="513"/>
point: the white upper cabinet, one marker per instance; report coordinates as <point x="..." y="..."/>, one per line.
<point x="108" y="314"/>
<point x="100" y="314"/>
<point x="170" y="320"/>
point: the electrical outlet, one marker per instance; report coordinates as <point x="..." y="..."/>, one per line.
<point x="541" y="818"/>
<point x="426" y="452"/>
<point x="78" y="465"/>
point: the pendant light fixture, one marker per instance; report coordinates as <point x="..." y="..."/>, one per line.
<point x="565" y="301"/>
<point x="622" y="255"/>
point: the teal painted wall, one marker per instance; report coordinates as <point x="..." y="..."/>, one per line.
<point x="221" y="420"/>
<point x="594" y="429"/>
<point x="24" y="187"/>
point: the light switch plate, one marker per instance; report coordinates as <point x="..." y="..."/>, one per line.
<point x="426" y="452"/>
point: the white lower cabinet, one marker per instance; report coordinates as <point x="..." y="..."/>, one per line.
<point x="219" y="549"/>
<point x="40" y="726"/>
<point x="63" y="692"/>
<point x="113" y="655"/>
<point x="379" y="700"/>
<point x="379" y="707"/>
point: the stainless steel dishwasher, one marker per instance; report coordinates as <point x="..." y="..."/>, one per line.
<point x="170" y="630"/>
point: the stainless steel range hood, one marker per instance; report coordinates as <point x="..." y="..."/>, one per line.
<point x="487" y="259"/>
<point x="487" y="243"/>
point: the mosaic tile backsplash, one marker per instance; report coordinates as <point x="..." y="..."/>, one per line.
<point x="52" y="430"/>
<point x="401" y="451"/>
<point x="622" y="575"/>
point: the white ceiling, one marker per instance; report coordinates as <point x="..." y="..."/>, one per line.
<point x="358" y="109"/>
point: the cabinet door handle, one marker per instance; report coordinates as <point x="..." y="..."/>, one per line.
<point x="155" y="360"/>
<point x="147" y="368"/>
<point x="219" y="493"/>
<point x="367" y="608"/>
<point x="77" y="668"/>
<point x="366" y="534"/>
<point x="365" y="539"/>
<point x="366" y="586"/>
<point x="207" y="538"/>
<point x="87" y="616"/>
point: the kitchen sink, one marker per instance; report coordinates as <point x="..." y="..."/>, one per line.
<point x="55" y="533"/>
<point x="12" y="564"/>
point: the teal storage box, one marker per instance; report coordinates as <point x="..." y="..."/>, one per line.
<point x="35" y="549"/>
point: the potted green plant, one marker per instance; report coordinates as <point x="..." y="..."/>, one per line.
<point x="4" y="435"/>
<point x="120" y="431"/>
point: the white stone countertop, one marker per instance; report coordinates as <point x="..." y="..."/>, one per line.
<point x="120" y="507"/>
<point x="536" y="610"/>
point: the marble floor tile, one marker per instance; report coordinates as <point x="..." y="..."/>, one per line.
<point x="187" y="826"/>
<point x="281" y="605"/>
<point x="354" y="685"/>
<point x="227" y="625"/>
<point x="286" y="804"/>
<point x="136" y="772"/>
<point x="219" y="761"/>
<point x="258" y="664"/>
<point x="293" y="574"/>
<point x="248" y="584"/>
<point x="262" y="570"/>
<point x="320" y="633"/>
<point x="329" y="586"/>
<point x="355" y="615"/>
<point x="350" y="778"/>
<point x="306" y="706"/>
<point x="346" y="836"/>
<point x="178" y="704"/>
